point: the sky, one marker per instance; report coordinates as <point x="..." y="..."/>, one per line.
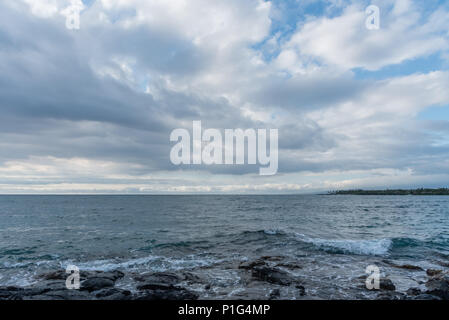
<point x="91" y="110"/>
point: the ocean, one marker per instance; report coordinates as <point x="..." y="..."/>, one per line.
<point x="327" y="241"/>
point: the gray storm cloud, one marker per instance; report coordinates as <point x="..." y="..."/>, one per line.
<point x="108" y="95"/>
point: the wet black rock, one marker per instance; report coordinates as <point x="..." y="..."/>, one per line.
<point x="84" y="275"/>
<point x="248" y="265"/>
<point x="154" y="286"/>
<point x="61" y="295"/>
<point x="97" y="283"/>
<point x="272" y="275"/>
<point x="10" y="293"/>
<point x="158" y="281"/>
<point x="414" y="291"/>
<point x="438" y="287"/>
<point x="408" y="267"/>
<point x="53" y="275"/>
<point x="273" y="258"/>
<point x="163" y="286"/>
<point x="97" y="280"/>
<point x="302" y="290"/>
<point x="289" y="265"/>
<point x="191" y="278"/>
<point x="160" y="277"/>
<point x="387" y="284"/>
<point x="433" y="272"/>
<point x="112" y="294"/>
<point x="6" y="292"/>
<point x="274" y="294"/>
<point x="50" y="285"/>
<point x="112" y="275"/>
<point x="168" y="293"/>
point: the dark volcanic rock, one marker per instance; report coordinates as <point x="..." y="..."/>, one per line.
<point x="438" y="287"/>
<point x="112" y="294"/>
<point x="387" y="284"/>
<point x="248" y="265"/>
<point x="94" y="284"/>
<point x="8" y="293"/>
<point x="158" y="281"/>
<point x="15" y="293"/>
<point x="53" y="275"/>
<point x="302" y="290"/>
<point x="192" y="278"/>
<point x="162" y="286"/>
<point x="172" y="293"/>
<point x="408" y="267"/>
<point x="63" y="294"/>
<point x="155" y="286"/>
<point x="51" y="285"/>
<point x="414" y="291"/>
<point x="112" y="275"/>
<point x="159" y="277"/>
<point x="274" y="294"/>
<point x="62" y="275"/>
<point x="100" y="285"/>
<point x="272" y="275"/>
<point x="433" y="272"/>
<point x="289" y="265"/>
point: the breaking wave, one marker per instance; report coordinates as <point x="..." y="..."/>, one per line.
<point x="361" y="247"/>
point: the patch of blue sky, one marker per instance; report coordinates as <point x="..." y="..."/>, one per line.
<point x="288" y="16"/>
<point x="88" y="3"/>
<point x="429" y="6"/>
<point x="434" y="113"/>
<point x="427" y="64"/>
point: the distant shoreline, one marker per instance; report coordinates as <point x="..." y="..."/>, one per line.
<point x="394" y="192"/>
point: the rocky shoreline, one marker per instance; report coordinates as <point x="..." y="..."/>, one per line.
<point x="265" y="272"/>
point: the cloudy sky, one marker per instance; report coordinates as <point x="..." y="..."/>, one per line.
<point x="91" y="110"/>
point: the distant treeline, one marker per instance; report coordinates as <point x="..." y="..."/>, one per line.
<point x="398" y="192"/>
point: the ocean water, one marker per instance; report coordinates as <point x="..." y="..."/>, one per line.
<point x="331" y="239"/>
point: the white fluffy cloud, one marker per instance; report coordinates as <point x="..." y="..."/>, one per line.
<point x="345" y="43"/>
<point x="43" y="8"/>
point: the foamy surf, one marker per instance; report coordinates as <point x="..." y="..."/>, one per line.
<point x="362" y="247"/>
<point x="152" y="263"/>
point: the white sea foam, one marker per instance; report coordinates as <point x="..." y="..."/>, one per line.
<point x="273" y="231"/>
<point x="154" y="263"/>
<point x="11" y="265"/>
<point x="362" y="247"/>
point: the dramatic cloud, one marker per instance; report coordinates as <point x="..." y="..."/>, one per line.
<point x="91" y="110"/>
